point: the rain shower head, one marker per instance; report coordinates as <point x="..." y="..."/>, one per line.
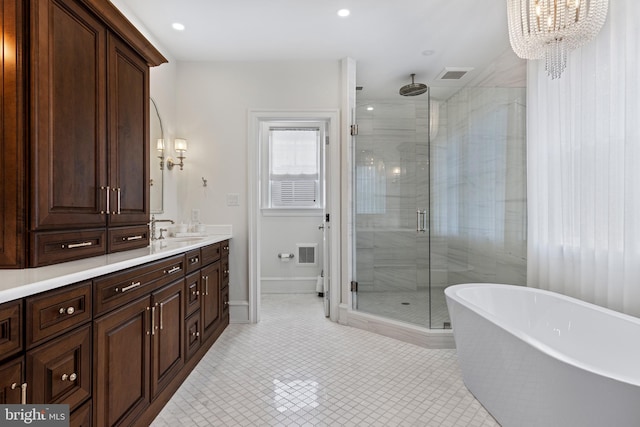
<point x="413" y="89"/>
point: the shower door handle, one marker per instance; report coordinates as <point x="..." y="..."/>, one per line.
<point x="421" y="221"/>
<point x="425" y="220"/>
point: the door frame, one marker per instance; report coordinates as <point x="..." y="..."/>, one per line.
<point x="332" y="199"/>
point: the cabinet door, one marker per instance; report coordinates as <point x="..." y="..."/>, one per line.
<point x="167" y="335"/>
<point x="11" y="379"/>
<point x="11" y="136"/>
<point x="60" y="370"/>
<point x="210" y="309"/>
<point x="128" y="135"/>
<point x="68" y="101"/>
<point x="122" y="362"/>
<point x="193" y="291"/>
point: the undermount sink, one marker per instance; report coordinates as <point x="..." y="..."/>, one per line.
<point x="184" y="239"/>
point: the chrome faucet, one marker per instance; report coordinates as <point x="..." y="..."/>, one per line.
<point x="152" y="226"/>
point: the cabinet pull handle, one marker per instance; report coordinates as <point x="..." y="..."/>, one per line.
<point x="118" y="192"/>
<point x="206" y="284"/>
<point x="195" y="292"/>
<point x="153" y="320"/>
<point x="24" y="394"/>
<point x="194" y="260"/>
<point x="173" y="269"/>
<point x="78" y="245"/>
<point x="14" y="386"/>
<point x="71" y="377"/>
<point x="226" y="272"/>
<point x="132" y="238"/>
<point x="195" y="334"/>
<point x="131" y="286"/>
<point x="226" y="248"/>
<point x="107" y="192"/>
<point x="161" y="304"/>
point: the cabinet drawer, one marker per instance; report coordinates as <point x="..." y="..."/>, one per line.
<point x="224" y="272"/>
<point x="193" y="289"/>
<point x="193" y="260"/>
<point x="224" y="248"/>
<point x="210" y="253"/>
<point x="51" y="313"/>
<point x="10" y="328"/>
<point x="60" y="370"/>
<point x="125" y="238"/>
<point x="55" y="247"/>
<point x="193" y="335"/>
<point x="81" y="417"/>
<point x="116" y="289"/>
<point x="224" y="300"/>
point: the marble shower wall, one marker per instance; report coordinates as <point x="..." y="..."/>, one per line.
<point x="479" y="188"/>
<point x="391" y="184"/>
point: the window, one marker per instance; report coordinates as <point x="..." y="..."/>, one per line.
<point x="294" y="166"/>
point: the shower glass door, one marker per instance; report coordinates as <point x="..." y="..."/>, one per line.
<point x="440" y="199"/>
<point x="391" y="212"/>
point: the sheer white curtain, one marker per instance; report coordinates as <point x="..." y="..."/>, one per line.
<point x="584" y="168"/>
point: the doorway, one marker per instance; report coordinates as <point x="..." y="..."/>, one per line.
<point x="291" y="199"/>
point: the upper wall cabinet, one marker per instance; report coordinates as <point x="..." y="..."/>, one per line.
<point x="86" y="102"/>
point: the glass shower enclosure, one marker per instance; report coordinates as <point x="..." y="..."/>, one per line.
<point x="440" y="199"/>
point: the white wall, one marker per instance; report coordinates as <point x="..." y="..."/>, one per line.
<point x="282" y="234"/>
<point x="213" y="100"/>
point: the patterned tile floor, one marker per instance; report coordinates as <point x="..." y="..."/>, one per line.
<point x="296" y="368"/>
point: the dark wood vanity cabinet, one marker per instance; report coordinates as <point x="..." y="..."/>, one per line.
<point x="115" y="348"/>
<point x="76" y="113"/>
<point x="207" y="295"/>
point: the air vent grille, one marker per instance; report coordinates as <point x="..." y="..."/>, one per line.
<point x="453" y="73"/>
<point x="307" y="254"/>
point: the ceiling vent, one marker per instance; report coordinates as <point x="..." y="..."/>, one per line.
<point x="453" y="73"/>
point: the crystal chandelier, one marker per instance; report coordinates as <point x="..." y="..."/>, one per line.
<point x="549" y="29"/>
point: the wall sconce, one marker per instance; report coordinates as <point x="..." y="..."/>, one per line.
<point x="180" y="145"/>
<point x="160" y="148"/>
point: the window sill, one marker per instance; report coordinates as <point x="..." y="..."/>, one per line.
<point x="292" y="212"/>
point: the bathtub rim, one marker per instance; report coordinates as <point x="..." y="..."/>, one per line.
<point x="451" y="292"/>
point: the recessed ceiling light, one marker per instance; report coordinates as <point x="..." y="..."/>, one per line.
<point x="343" y="13"/>
<point x="178" y="26"/>
<point x="428" y="52"/>
<point x="369" y="108"/>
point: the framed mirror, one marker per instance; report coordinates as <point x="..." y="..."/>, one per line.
<point x="158" y="145"/>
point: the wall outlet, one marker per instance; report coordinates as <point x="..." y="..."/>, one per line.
<point x="195" y="215"/>
<point x="233" y="199"/>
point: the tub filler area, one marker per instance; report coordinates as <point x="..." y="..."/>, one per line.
<point x="537" y="358"/>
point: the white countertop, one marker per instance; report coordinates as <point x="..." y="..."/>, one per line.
<point x="21" y="283"/>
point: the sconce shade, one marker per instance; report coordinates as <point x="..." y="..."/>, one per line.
<point x="160" y="144"/>
<point x="180" y="145"/>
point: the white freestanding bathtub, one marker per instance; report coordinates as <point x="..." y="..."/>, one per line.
<point x="537" y="358"/>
